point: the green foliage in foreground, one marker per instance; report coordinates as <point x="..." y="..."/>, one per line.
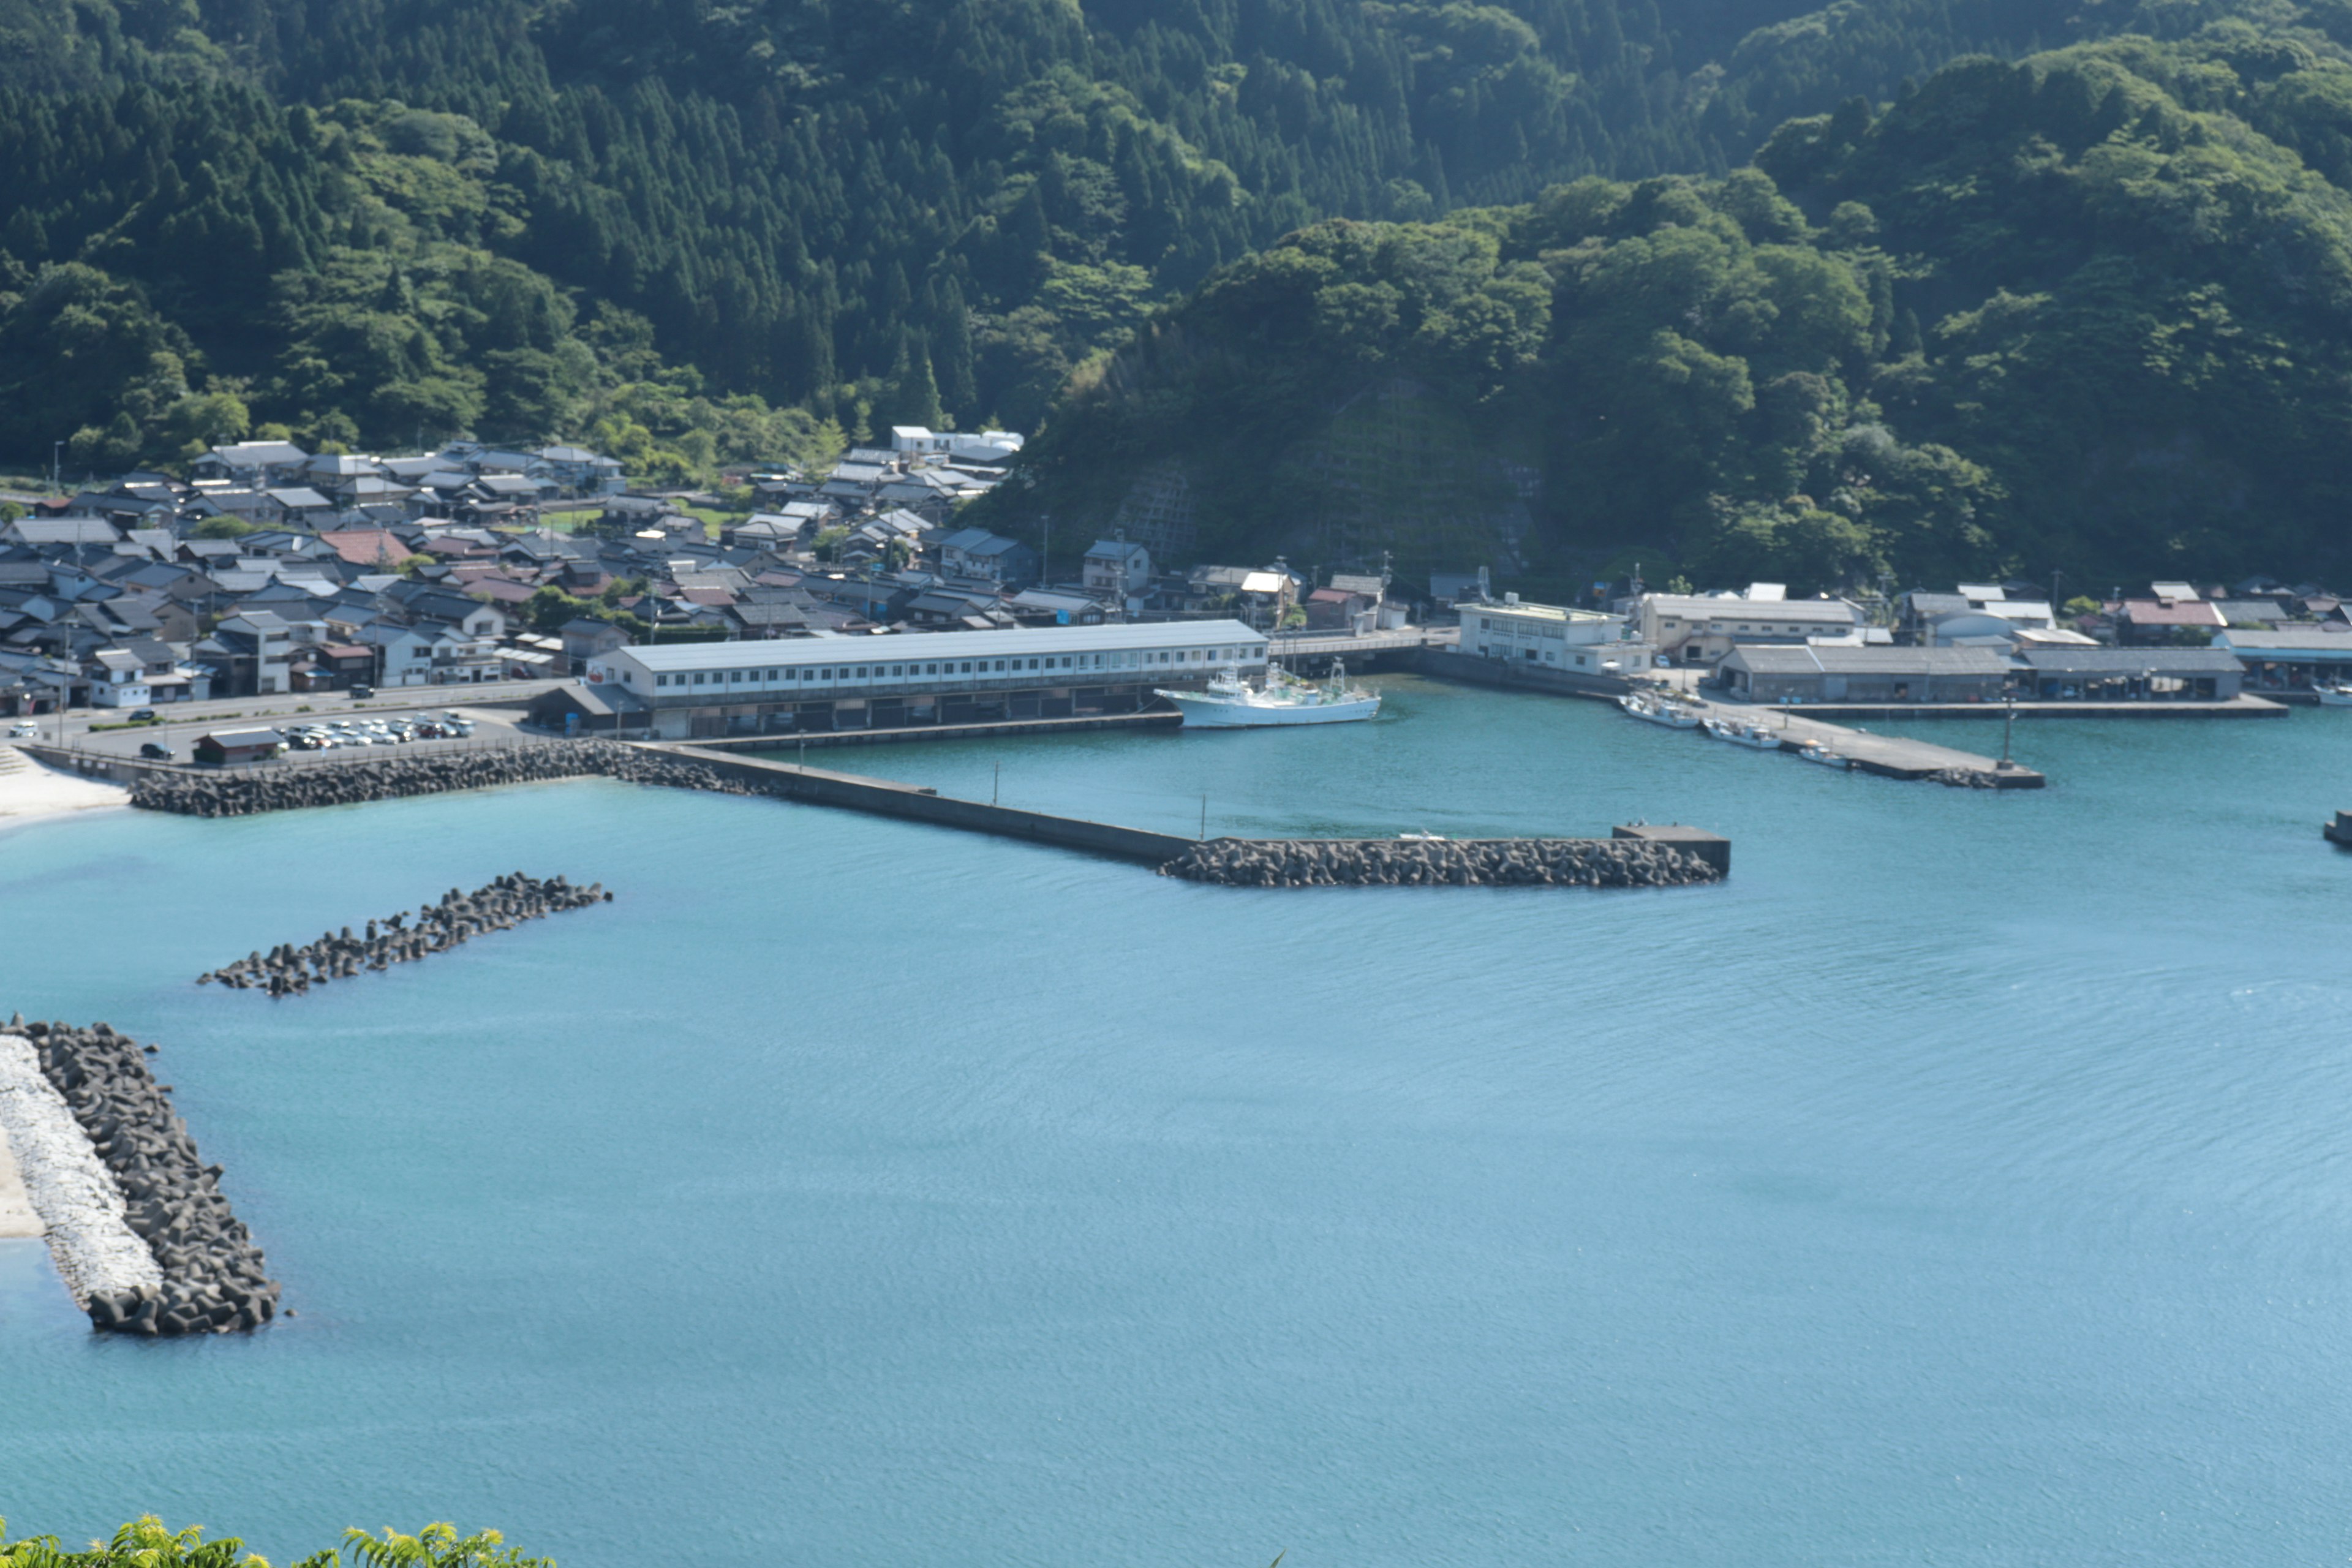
<point x="2091" y="311"/>
<point x="146" y="1544"/>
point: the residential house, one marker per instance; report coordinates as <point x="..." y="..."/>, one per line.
<point x="254" y="464"/>
<point x="1261" y="597"/>
<point x="585" y="639"/>
<point x="2165" y="617"/>
<point x="1117" y="569"/>
<point x="118" y="680"/>
<point x="580" y="470"/>
<point x="256" y="646"/>
<point x="985" y="557"/>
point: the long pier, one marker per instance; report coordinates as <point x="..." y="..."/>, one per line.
<point x="1888" y="756"/>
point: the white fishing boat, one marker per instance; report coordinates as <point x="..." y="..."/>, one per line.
<point x="1741" y="734"/>
<point x="2335" y="695"/>
<point x="1814" y="752"/>
<point x="1230" y="702"/>
<point x="1650" y="708"/>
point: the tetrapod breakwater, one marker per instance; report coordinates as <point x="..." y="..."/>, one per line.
<point x="1441" y="863"/>
<point x="279" y="787"/>
<point x="508" y="901"/>
<point x="124" y="1178"/>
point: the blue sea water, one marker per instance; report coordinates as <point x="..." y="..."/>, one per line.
<point x="1965" y="1181"/>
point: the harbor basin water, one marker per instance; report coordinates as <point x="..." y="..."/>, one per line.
<point x="1964" y="1181"/>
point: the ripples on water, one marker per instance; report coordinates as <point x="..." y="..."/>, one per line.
<point x="1964" y="1181"/>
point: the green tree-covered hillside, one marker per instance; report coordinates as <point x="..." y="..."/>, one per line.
<point x="377" y="220"/>
<point x="2091" y="311"/>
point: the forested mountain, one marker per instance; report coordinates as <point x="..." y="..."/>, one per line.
<point x="381" y="221"/>
<point x="2089" y="311"/>
<point x="1535" y="300"/>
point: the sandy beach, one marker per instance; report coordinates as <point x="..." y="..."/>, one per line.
<point x="29" y="789"/>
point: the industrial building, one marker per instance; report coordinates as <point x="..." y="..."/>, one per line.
<point x="774" y="687"/>
<point x="1804" y="673"/>
<point x="2132" y="674"/>
<point x="1551" y="636"/>
<point x="1701" y="628"/>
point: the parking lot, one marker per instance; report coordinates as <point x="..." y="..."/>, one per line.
<point x="374" y="729"/>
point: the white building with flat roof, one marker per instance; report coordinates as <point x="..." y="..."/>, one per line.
<point x="779" y="686"/>
<point x="1551" y="636"/>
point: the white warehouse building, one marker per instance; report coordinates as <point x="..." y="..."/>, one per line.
<point x="780" y="686"/>
<point x="1551" y="636"/>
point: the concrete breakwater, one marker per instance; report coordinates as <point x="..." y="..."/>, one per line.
<point x="281" y="788"/>
<point x="208" y="1276"/>
<point x="1429" y="863"/>
<point x="504" y="904"/>
<point x="71" y="1192"/>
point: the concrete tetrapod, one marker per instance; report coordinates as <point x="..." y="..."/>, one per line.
<point x="508" y="901"/>
<point x="212" y="1278"/>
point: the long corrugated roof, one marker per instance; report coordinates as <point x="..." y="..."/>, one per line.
<point x="2316" y="638"/>
<point x="943" y="644"/>
<point x="2132" y="660"/>
<point x="1791" y="658"/>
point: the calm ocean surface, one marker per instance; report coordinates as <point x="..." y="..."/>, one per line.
<point x="1967" y="1182"/>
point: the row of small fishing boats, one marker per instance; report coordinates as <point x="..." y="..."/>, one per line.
<point x="1673" y="711"/>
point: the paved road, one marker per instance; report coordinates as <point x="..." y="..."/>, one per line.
<point x="179" y="723"/>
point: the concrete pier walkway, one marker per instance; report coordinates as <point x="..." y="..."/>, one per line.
<point x="1889" y="756"/>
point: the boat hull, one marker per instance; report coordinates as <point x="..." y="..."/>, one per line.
<point x="1207" y="713"/>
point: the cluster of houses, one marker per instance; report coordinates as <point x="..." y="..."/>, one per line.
<point x="121" y="597"/>
<point x="1979" y="642"/>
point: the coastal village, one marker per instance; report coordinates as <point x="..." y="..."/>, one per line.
<point x="265" y="570"/>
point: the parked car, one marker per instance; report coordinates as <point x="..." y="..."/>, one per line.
<point x="360" y="691"/>
<point x="143" y="716"/>
<point x="155" y="751"/>
<point x="23" y="729"/>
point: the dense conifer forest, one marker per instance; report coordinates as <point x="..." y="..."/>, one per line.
<point x="1886" y="286"/>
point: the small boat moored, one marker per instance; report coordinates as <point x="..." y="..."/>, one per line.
<point x="1652" y="708"/>
<point x="1739" y="732"/>
<point x="2335" y="696"/>
<point x="1814" y="752"/>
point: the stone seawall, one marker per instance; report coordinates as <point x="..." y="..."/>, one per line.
<point x="290" y="788"/>
<point x="69" y="1187"/>
<point x="209" y="1276"/>
<point x="1431" y="863"/>
<point x="506" y="903"/>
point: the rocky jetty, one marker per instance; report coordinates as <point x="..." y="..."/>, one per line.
<point x="71" y="1191"/>
<point x="1966" y="778"/>
<point x="1432" y="863"/>
<point x="289" y="971"/>
<point x="209" y="1276"/>
<point x="391" y="778"/>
